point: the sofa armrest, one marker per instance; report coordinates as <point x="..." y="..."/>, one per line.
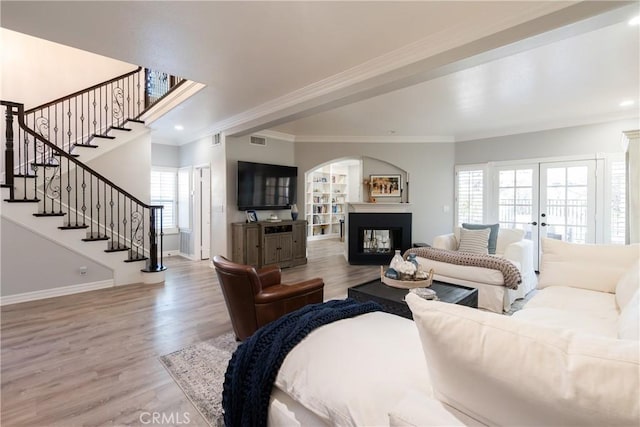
<point x="522" y="254"/>
<point x="269" y="275"/>
<point x="445" y="241"/>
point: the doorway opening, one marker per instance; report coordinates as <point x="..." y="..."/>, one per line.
<point x="328" y="189"/>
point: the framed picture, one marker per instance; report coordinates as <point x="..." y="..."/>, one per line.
<point x="385" y="185"/>
<point x="252" y="216"/>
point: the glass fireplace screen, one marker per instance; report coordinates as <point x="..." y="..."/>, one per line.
<point x="377" y="241"/>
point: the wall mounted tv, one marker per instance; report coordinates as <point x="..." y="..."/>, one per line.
<point x="262" y="186"/>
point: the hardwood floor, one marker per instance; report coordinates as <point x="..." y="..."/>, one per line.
<point x="92" y="358"/>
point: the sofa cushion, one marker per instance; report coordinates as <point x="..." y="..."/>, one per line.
<point x="493" y="235"/>
<point x="418" y="410"/>
<point x="474" y="241"/>
<point x="569" y="320"/>
<point x="594" y="267"/>
<point x="507" y="236"/>
<point x="628" y="285"/>
<point x="502" y="371"/>
<point x="377" y="355"/>
<point x="629" y="321"/>
<point x="600" y="305"/>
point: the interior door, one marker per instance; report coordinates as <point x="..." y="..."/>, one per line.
<point x="205" y="212"/>
<point x="568" y="201"/>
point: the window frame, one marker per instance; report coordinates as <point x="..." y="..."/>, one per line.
<point x="173" y="229"/>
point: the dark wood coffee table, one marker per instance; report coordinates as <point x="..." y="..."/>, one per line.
<point x="392" y="299"/>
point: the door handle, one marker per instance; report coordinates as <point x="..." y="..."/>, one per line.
<point x="533" y="223"/>
<point x="544" y="224"/>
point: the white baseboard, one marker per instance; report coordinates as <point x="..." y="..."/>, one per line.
<point x="55" y="292"/>
<point x="187" y="256"/>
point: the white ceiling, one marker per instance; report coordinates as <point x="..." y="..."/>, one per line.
<point x="327" y="71"/>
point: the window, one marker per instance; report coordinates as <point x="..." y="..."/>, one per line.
<point x="469" y="195"/>
<point x="163" y="192"/>
<point x="617" y="206"/>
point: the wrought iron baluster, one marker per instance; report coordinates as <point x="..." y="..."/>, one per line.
<point x="84" y="200"/>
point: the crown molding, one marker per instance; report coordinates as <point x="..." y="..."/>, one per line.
<point x="382" y="139"/>
<point x="276" y="135"/>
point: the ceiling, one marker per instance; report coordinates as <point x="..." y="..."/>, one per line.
<point x="365" y="71"/>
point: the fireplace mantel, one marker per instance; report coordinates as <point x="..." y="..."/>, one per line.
<point x="380" y="207"/>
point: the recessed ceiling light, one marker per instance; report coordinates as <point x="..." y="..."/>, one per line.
<point x="627" y="103"/>
<point x="178" y="127"/>
<point x="635" y="21"/>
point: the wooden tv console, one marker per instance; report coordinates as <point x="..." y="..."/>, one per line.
<point x="264" y="243"/>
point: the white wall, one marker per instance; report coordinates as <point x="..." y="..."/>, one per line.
<point x="128" y="166"/>
<point x="165" y="155"/>
<point x="430" y="167"/>
<point x="32" y="263"/>
<point x="35" y="71"/>
<point x="588" y="139"/>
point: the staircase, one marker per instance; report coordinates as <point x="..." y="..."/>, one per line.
<point x="50" y="189"/>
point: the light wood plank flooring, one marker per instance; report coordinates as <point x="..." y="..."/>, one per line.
<point x="92" y="358"/>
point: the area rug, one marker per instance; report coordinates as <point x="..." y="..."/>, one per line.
<point x="199" y="370"/>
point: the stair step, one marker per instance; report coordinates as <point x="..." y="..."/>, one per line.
<point x="95" y="239"/>
<point x="136" y="121"/>
<point x="71" y="154"/>
<point x="21" y="175"/>
<point x="95" y="135"/>
<point x="86" y="145"/>
<point x="141" y="258"/>
<point x="22" y="200"/>
<point x="120" y="128"/>
<point x="45" y="165"/>
<point x="73" y="227"/>
<point x="117" y="249"/>
<point x="42" y="214"/>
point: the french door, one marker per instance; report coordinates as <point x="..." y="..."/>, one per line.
<point x="552" y="199"/>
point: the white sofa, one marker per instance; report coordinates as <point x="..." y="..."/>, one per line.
<point x="571" y="356"/>
<point x="492" y="294"/>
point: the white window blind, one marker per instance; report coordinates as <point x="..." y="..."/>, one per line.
<point x="163" y="192"/>
<point x="618" y="202"/>
<point x="470" y="193"/>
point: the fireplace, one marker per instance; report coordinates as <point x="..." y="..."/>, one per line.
<point x="374" y="237"/>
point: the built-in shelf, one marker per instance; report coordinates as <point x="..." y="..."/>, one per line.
<point x="326" y="201"/>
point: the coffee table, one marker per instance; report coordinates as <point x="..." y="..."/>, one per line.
<point x="392" y="299"/>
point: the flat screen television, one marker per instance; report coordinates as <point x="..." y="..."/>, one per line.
<point x="262" y="186"/>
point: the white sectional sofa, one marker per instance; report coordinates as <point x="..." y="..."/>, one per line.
<point x="571" y="356"/>
<point x="492" y="294"/>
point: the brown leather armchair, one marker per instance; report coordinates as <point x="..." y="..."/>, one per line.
<point x="256" y="297"/>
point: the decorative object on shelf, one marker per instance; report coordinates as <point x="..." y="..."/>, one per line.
<point x="385" y="185"/>
<point x="294" y="211"/>
<point x="412" y="259"/>
<point x="406" y="282"/>
<point x="397" y="259"/>
<point x="274" y="218"/>
<point x="425" y="293"/>
<point x="252" y="216"/>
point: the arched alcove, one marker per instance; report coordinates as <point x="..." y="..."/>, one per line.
<point x="330" y="186"/>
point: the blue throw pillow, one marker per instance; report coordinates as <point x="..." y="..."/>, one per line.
<point x="493" y="236"/>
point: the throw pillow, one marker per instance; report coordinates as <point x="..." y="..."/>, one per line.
<point x="474" y="241"/>
<point x="493" y="236"/>
<point x="502" y="371"/>
<point x="596" y="267"/>
<point x="628" y="285"/>
<point x="629" y="320"/>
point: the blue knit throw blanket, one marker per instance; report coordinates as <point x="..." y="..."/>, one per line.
<point x="253" y="367"/>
